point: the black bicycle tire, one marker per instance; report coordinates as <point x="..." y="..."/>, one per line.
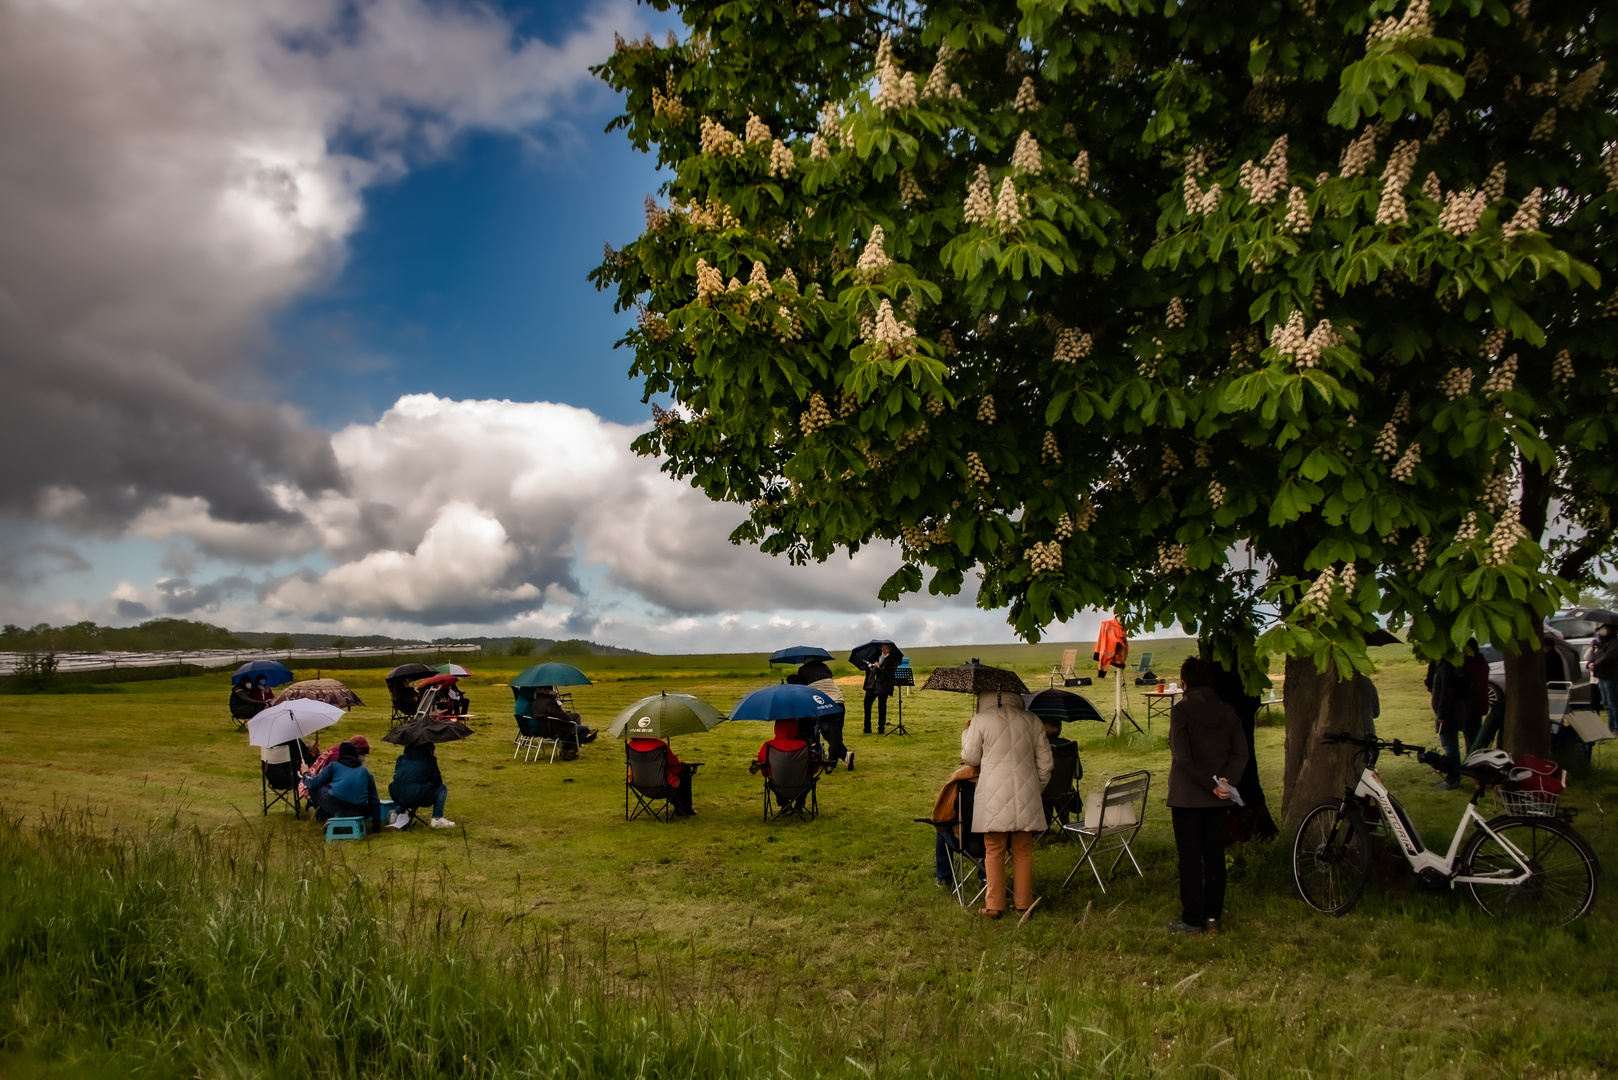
<point x="1329" y="817"/>
<point x="1500" y="901"/>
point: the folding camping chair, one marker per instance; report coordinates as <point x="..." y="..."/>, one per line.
<point x="1064" y="670"/>
<point x="792" y="777"/>
<point x="1112" y="819"/>
<point x="1061" y="794"/>
<point x="967" y="853"/>
<point x="278" y="779"/>
<point x="647" y="779"/>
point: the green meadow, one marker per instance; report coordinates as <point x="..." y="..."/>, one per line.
<point x="157" y="923"/>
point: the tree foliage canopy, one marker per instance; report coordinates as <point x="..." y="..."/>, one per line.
<point x="1085" y="297"/>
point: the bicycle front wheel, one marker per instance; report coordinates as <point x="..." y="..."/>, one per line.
<point x="1561" y="885"/>
<point x="1331" y="858"/>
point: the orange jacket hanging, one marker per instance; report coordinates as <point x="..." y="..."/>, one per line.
<point x="1112" y="647"/>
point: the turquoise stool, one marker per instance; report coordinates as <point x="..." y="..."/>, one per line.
<point x="345" y="828"/>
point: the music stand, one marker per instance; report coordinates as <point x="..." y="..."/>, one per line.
<point x="903" y="675"/>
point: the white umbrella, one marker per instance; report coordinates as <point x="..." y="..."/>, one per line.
<point x="290" y="720"/>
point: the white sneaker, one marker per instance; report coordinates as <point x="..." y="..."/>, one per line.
<point x="442" y="823"/>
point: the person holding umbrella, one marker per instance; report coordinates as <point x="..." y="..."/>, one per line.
<point x="418" y="782"/>
<point x="880" y="659"/>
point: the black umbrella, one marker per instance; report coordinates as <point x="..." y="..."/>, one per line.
<point x="427" y="729"/>
<point x="1380" y="637"/>
<point x="865" y="655"/>
<point x="409" y="672"/>
<point x="975" y="679"/>
<point x="1597" y="615"/>
<point x="1061" y="706"/>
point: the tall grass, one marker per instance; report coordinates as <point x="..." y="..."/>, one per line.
<point x="182" y="953"/>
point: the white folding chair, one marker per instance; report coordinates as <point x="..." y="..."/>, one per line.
<point x="1112" y="819"/>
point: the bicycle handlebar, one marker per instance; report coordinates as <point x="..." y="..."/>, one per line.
<point x="1398" y="746"/>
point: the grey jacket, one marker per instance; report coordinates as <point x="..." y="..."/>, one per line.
<point x="1205" y="741"/>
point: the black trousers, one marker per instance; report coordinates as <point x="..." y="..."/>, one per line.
<point x="681" y="796"/>
<point x="328" y="806"/>
<point x="1199" y="836"/>
<point x="831" y="728"/>
<point x="881" y="710"/>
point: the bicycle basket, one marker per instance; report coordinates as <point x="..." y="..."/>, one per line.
<point x="1526" y="803"/>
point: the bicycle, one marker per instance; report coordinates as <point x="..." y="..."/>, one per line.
<point x="1531" y="867"/>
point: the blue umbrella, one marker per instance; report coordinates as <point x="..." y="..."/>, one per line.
<point x="799" y="654"/>
<point x="552" y="674"/>
<point x="786" y="701"/>
<point x="275" y="673"/>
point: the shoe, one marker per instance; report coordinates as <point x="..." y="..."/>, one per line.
<point x="442" y="823"/>
<point x="851" y="761"/>
<point x="882" y="730"/>
<point x="989" y="913"/>
<point x="867" y="729"/>
<point x="941" y="882"/>
<point x="1212" y="927"/>
<point x="1180" y="926"/>
<point x="1446" y="784"/>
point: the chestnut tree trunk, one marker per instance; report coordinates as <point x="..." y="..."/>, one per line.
<point x="1526" y="728"/>
<point x="1318" y="703"/>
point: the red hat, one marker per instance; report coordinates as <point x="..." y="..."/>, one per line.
<point x="361" y="743"/>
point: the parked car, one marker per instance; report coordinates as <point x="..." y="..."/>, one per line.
<point x="1573" y="648"/>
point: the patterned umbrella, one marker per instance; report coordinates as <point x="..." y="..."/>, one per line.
<point x="330" y="691"/>
<point x="975" y="679"/>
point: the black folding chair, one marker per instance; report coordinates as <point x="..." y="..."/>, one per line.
<point x="1061" y="795"/>
<point x="967" y="853"/>
<point x="647" y="779"/>
<point x="278" y="780"/>
<point x="792" y="778"/>
<point x="405" y="701"/>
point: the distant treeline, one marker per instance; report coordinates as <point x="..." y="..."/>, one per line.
<point x="168" y="635"/>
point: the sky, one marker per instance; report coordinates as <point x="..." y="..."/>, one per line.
<point x="297" y="335"/>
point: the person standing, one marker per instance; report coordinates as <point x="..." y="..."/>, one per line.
<point x="1451" y="688"/>
<point x="1604" y="666"/>
<point x="816" y="675"/>
<point x="1007" y="744"/>
<point x="879" y="687"/>
<point x="1253" y="820"/>
<point x="1208" y="753"/>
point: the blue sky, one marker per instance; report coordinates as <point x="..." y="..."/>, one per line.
<point x="306" y="341"/>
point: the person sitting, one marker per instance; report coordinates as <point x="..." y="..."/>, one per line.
<point x="677" y="775"/>
<point x="817" y="675"/>
<point x="345" y="788"/>
<point x="417" y="782"/>
<point x="1053" y="736"/>
<point x="262" y="692"/>
<point x="406" y="698"/>
<point x="948" y="837"/>
<point x="546" y="704"/>
<point x="787" y="739"/>
<point x="454" y="702"/>
<point x="244" y="704"/>
<point x="324" y="758"/>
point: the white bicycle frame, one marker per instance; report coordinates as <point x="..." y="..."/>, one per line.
<point x="1420" y="858"/>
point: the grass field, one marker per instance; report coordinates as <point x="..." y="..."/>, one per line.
<point x="135" y="847"/>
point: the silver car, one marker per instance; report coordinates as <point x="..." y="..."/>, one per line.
<point x="1572" y="650"/>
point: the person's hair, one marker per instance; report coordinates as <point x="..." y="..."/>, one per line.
<point x="1194" y="673"/>
<point x="1051" y="723"/>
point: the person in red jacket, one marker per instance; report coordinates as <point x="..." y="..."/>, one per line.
<point x="677" y="775"/>
<point x="785" y="740"/>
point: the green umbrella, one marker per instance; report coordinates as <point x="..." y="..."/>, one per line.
<point x="663" y="715"/>
<point x="552" y="674"/>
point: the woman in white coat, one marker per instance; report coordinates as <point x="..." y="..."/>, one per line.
<point x="1007" y="744"/>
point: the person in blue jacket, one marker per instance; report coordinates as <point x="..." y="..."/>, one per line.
<point x="417" y="782"/>
<point x="345" y="788"/>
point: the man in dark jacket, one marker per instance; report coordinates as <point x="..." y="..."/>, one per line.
<point x="1604" y="666"/>
<point x="417" y="782"/>
<point x="1451" y="688"/>
<point x="345" y="788"/>
<point x="879" y="687"/>
<point x="1208" y="755"/>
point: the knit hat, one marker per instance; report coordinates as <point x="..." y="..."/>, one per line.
<point x="361" y="743"/>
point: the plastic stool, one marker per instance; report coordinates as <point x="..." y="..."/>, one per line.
<point x="345" y="828"/>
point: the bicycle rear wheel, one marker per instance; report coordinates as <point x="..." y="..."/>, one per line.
<point x="1563" y="871"/>
<point x="1331" y="858"/>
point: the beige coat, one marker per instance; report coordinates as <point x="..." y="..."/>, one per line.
<point x="1007" y="743"/>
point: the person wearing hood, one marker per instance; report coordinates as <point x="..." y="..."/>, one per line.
<point x="1208" y="757"/>
<point x="816" y="675"/>
<point x="345" y="788"/>
<point x="1604" y="666"/>
<point x="417" y="782"/>
<point x="1007" y="744"/>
